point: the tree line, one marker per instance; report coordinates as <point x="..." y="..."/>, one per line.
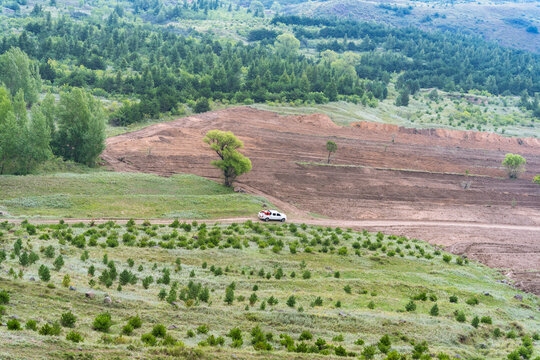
<point x="444" y="60"/>
<point x="73" y="128"/>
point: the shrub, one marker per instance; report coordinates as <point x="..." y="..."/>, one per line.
<point x="486" y="320"/>
<point x="371" y="305"/>
<point x="305" y="335"/>
<point x="147" y="281"/>
<point x="202" y="329"/>
<point x="13" y="324"/>
<point x="229" y="295"/>
<point x="411" y="306"/>
<point x="58" y="262"/>
<point x="135" y="322"/>
<point x="68" y="319"/>
<point x="44" y="273"/>
<point x="497" y="332"/>
<point x="340" y="351"/>
<point x="74" y="336"/>
<point x="306" y="275"/>
<point x="168" y="340"/>
<point x="66" y="281"/>
<point x="453" y="299"/>
<point x="4" y="297"/>
<point x="475" y="321"/>
<point x="190" y="333"/>
<point x="460" y="316"/>
<point x="47" y="329"/>
<point x="434" y="310"/>
<point x="447" y="258"/>
<point x="514" y="164"/>
<point x="384" y="344"/>
<point x="472" y="301"/>
<point x="159" y="331"/>
<point x="369" y="352"/>
<point x="102" y="322"/>
<point x="148" y="339"/>
<point x="317" y="302"/>
<point x="347" y="289"/>
<point x="127" y="329"/>
<point x="162" y="294"/>
<point x="291" y="301"/>
<point x="31" y="325"/>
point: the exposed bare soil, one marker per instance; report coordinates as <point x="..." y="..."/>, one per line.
<point x="412" y="181"/>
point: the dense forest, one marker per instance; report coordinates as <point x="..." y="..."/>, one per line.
<point x="424" y="60"/>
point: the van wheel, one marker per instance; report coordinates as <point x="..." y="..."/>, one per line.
<point x="283" y="220"/>
<point x="266" y="219"/>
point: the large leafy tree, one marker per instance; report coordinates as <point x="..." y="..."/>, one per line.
<point x="81" y="127"/>
<point x="226" y="145"/>
<point x="514" y="164"/>
<point x="18" y="72"/>
<point x="24" y="143"/>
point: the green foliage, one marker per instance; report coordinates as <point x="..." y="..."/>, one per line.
<point x="19" y="73"/>
<point x="81" y="127"/>
<point x="68" y="319"/>
<point x="460" y="316"/>
<point x="229" y="295"/>
<point x="331" y="147"/>
<point x="159" y="331"/>
<point x="434" y="310"/>
<point x="411" y="306"/>
<point x="50" y="330"/>
<point x="44" y="273"/>
<point x="536" y="179"/>
<point x="102" y="322"/>
<point x="291" y="301"/>
<point x="31" y="325"/>
<point x="24" y="144"/>
<point x="514" y="164"/>
<point x="74" y="336"/>
<point x="232" y="163"/>
<point x="13" y="324"/>
<point x="148" y="339"/>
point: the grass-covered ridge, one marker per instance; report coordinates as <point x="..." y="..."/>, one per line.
<point x="253" y="290"/>
<point x="122" y="195"/>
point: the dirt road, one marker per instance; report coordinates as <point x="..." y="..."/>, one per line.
<point x="443" y="186"/>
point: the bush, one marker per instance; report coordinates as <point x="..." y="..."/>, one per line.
<point x="102" y="322"/>
<point x="306" y="275"/>
<point x="460" y="316"/>
<point x="411" y="306"/>
<point x="68" y="319"/>
<point x="475" y="321"/>
<point x="135" y="322"/>
<point x="291" y="301"/>
<point x="203" y="329"/>
<point x="31" y="325"/>
<point x="13" y="324"/>
<point x="453" y="299"/>
<point x="514" y="164"/>
<point x="47" y="329"/>
<point x="4" y="297"/>
<point x="127" y="329"/>
<point x="305" y="335"/>
<point x="74" y="336"/>
<point x="44" y="273"/>
<point x="434" y="310"/>
<point x="371" y="305"/>
<point x="472" y="301"/>
<point x="347" y="289"/>
<point x="159" y="331"/>
<point x="486" y="320"/>
<point x="148" y="339"/>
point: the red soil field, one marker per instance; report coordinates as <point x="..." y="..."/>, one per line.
<point x="434" y="184"/>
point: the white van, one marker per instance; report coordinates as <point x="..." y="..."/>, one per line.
<point x="266" y="215"/>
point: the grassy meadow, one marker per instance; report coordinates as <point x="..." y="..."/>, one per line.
<point x="248" y="291"/>
<point x="121" y="195"/>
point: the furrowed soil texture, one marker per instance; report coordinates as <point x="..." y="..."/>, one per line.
<point x="419" y="179"/>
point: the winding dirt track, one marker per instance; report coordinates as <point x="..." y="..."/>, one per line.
<point x="442" y="186"/>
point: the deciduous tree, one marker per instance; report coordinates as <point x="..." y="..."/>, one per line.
<point x="232" y="163"/>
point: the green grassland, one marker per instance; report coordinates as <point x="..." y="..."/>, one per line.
<point x="122" y="195"/>
<point x="350" y="290"/>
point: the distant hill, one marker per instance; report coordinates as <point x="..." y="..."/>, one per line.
<point x="512" y="24"/>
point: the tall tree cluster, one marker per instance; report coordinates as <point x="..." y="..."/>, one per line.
<point x="73" y="129"/>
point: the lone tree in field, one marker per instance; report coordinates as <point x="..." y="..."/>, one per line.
<point x="514" y="164"/>
<point x="232" y="163"/>
<point x="332" y="148"/>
